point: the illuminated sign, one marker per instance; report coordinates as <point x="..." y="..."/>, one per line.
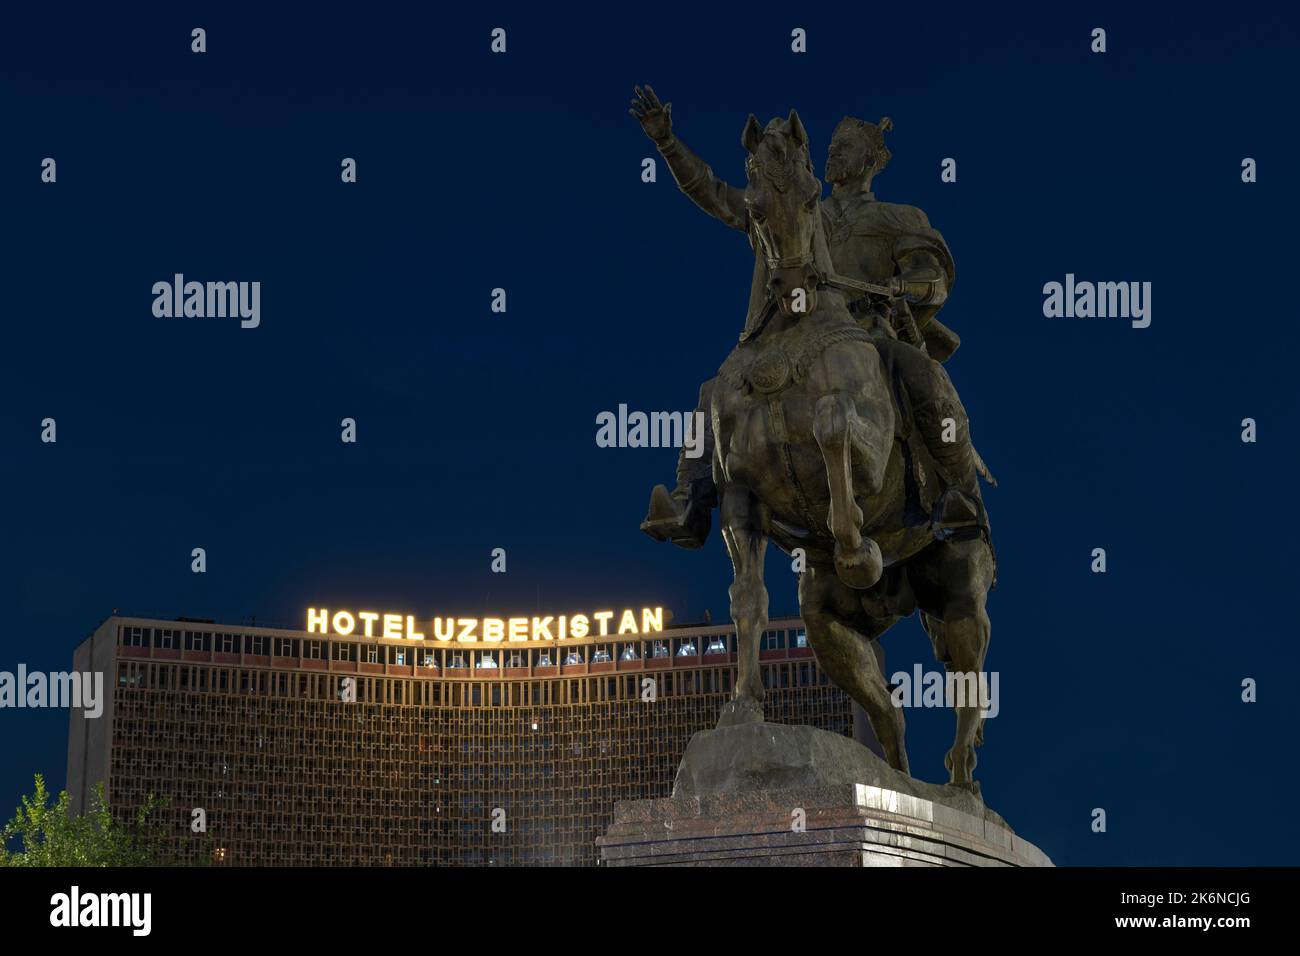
<point x="487" y="630"/>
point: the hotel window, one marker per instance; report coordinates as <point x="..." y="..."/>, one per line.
<point x="227" y="644"/>
<point x="372" y="654"/>
<point x="399" y="656"/>
<point x="134" y="637"/>
<point x="165" y="639"/>
<point x="428" y="660"/>
<point x="800" y="638"/>
<point x="314" y="650"/>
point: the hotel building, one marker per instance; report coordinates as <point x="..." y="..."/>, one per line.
<point x="450" y="754"/>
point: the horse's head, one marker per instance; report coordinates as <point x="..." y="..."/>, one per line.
<point x="781" y="195"/>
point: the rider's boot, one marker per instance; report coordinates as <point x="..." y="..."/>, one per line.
<point x="684" y="516"/>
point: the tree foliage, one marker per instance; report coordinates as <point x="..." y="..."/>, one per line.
<point x="47" y="834"/>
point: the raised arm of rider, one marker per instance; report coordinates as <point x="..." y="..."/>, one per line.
<point x="695" y="178"/>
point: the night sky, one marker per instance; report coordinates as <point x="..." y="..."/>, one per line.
<point x="477" y="430"/>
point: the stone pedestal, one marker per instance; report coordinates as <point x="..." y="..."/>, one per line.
<point x="761" y="794"/>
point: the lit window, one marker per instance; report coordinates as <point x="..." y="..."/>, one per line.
<point x="429" y="661"/>
<point x="801" y="639"/>
<point x="573" y="657"/>
<point x="687" y="649"/>
<point x="716" y="646"/>
<point x="458" y="661"/>
<point x="601" y="656"/>
<point x="629" y="653"/>
<point x="544" y="660"/>
<point x="661" y="649"/>
<point x="487" y="661"/>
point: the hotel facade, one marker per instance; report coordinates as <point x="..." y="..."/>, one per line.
<point x="316" y="748"/>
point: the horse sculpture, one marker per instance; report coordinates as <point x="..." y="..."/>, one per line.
<point x="811" y="451"/>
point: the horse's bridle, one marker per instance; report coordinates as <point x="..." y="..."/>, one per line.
<point x="791" y="262"/>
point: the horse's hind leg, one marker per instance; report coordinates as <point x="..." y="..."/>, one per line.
<point x="841" y="636"/>
<point x="857" y="559"/>
<point x="743" y="532"/>
<point x="951" y="580"/>
<point x="934" y="627"/>
<point x="968" y="640"/>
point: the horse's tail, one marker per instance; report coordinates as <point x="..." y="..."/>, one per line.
<point x="983" y="469"/>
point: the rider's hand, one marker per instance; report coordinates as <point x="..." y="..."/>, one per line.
<point x="655" y="118"/>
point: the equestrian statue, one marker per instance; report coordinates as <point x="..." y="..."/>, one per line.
<point x="833" y="426"/>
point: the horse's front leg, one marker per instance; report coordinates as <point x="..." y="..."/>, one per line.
<point x="743" y="531"/>
<point x="836" y="427"/>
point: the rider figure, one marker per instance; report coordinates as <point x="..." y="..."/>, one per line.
<point x="885" y="244"/>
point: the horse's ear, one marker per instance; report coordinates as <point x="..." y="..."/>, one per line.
<point x="797" y="132"/>
<point x="752" y="134"/>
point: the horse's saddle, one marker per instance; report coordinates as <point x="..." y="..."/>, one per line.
<point x="769" y="364"/>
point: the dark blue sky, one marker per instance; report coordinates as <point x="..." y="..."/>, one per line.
<point x="477" y="430"/>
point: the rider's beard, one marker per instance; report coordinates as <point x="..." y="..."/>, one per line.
<point x="838" y="172"/>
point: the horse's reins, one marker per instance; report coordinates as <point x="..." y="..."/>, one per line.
<point x="911" y="330"/>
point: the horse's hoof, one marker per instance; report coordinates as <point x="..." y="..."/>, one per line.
<point x="741" y="711"/>
<point x="903" y="766"/>
<point x="860" y="569"/>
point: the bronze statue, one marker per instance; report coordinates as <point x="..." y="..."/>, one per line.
<point x="874" y="243"/>
<point x="834" y="430"/>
